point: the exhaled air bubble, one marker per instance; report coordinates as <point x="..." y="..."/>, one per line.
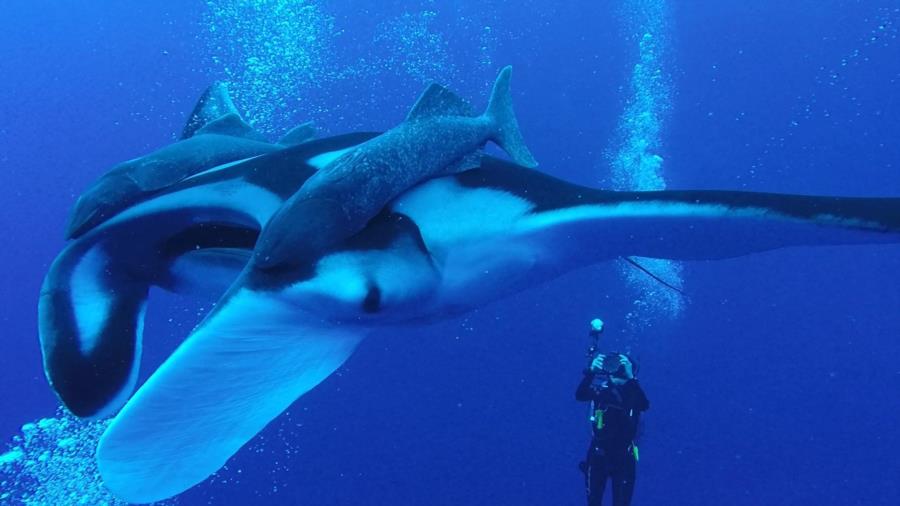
<point x="52" y="462"/>
<point x="272" y="52"/>
<point x="284" y="58"/>
<point x="636" y="163"/>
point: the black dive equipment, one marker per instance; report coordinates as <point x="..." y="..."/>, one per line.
<point x="594" y="335"/>
<point x="612" y="364"/>
<point x="612" y="361"/>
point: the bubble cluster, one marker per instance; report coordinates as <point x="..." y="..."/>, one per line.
<point x="272" y="52"/>
<point x="453" y="46"/>
<point x="51" y="462"/>
<point x="413" y="44"/>
<point x="287" y="61"/>
<point x="637" y="164"/>
<point x="277" y="446"/>
<point x="655" y="301"/>
<point x="882" y="34"/>
<point x="841" y="94"/>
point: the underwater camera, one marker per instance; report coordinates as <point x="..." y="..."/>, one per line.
<point x="612" y="364"/>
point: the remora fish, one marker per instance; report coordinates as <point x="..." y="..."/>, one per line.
<point x="214" y="134"/>
<point x="439" y="136"/>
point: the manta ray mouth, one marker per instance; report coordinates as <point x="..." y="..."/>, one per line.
<point x="210" y="235"/>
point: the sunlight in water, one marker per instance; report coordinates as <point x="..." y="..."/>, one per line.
<point x="636" y="163"/>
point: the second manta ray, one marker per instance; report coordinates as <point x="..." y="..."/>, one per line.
<point x="447" y="245"/>
<point x="440" y="136"/>
<point x="214" y="135"/>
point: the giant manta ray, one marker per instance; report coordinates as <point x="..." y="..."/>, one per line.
<point x="448" y="244"/>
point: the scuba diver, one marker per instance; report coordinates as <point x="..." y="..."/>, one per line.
<point x="617" y="402"/>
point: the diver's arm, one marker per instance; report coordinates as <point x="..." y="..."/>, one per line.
<point x="635" y="394"/>
<point x="585" y="391"/>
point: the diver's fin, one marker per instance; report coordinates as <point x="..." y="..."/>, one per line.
<point x="90" y="321"/>
<point x="252" y="358"/>
<point x="231" y="124"/>
<point x="299" y="134"/>
<point x="507" y="134"/>
<point x="439" y="101"/>
<point x="215" y="103"/>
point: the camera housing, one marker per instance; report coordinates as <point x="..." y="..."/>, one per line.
<point x="612" y="364"/>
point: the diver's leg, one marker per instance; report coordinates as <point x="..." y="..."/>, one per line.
<point x="597" y="473"/>
<point x="623" y="481"/>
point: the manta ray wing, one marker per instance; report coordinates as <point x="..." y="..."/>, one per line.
<point x="235" y="374"/>
<point x="267" y="343"/>
<point x="502" y="219"/>
<point x="461" y="241"/>
<point x="447" y="245"/>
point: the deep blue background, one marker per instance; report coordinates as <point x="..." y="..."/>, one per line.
<point x="780" y="384"/>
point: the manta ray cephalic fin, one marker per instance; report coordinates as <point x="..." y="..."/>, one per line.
<point x="90" y="322"/>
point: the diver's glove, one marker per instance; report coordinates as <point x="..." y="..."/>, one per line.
<point x="597" y="363"/>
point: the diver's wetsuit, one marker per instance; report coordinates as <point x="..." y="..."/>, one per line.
<point x="611" y="454"/>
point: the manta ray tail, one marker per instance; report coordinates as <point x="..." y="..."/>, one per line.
<point x="500" y="110"/>
<point x="90" y="320"/>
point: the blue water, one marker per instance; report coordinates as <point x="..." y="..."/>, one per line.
<point x="774" y="380"/>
